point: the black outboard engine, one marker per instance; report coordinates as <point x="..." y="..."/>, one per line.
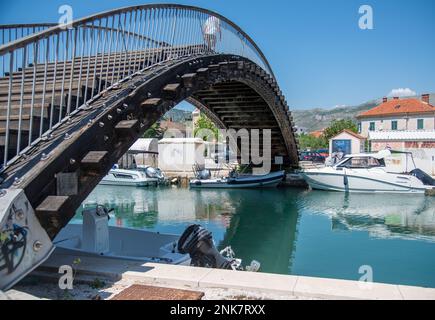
<point x="198" y="243"/>
<point x="423" y="177"/>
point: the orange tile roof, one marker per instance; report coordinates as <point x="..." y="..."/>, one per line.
<point x="318" y="133"/>
<point x="356" y="135"/>
<point x="398" y="106"/>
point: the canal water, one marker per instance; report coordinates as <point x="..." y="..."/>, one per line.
<point x="291" y="231"/>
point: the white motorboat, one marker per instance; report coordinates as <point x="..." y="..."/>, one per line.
<point x="132" y="178"/>
<point x="238" y="181"/>
<point x="367" y="173"/>
<point x="96" y="238"/>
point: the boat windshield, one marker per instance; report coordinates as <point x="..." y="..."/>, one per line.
<point x="361" y="163"/>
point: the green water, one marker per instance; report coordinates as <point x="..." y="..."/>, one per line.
<point x="291" y="231"/>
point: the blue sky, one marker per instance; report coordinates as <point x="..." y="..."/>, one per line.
<point x="319" y="55"/>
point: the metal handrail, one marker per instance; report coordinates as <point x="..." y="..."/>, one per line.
<point x="12" y="32"/>
<point x="51" y="74"/>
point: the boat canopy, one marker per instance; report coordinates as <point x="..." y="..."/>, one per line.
<point x="378" y="155"/>
<point x="150" y="146"/>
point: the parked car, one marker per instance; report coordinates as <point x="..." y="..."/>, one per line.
<point x="311" y="156"/>
<point x="323" y="152"/>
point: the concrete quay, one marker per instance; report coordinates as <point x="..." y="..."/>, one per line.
<point x="123" y="273"/>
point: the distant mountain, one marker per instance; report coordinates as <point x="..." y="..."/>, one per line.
<point x="320" y="118"/>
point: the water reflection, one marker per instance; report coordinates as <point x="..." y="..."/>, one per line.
<point x="382" y="215"/>
<point x="292" y="231"/>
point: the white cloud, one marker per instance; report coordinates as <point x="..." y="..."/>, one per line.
<point x="402" y="92"/>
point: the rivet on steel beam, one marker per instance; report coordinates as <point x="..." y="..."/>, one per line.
<point x="44" y="157"/>
<point x="17" y="181"/>
<point x="67" y="136"/>
<point x="106" y="138"/>
<point x="72" y="161"/>
<point x="109" y="117"/>
<point x="149" y="95"/>
<point x="90" y="122"/>
<point x="119" y="111"/>
<point x="37" y="246"/>
<point x="101" y="124"/>
<point x="125" y="105"/>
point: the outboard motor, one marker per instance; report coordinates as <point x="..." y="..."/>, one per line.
<point x="423" y="177"/>
<point x="204" y="174"/>
<point x="198" y="243"/>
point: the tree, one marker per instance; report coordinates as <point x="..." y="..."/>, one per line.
<point x="156" y="131"/>
<point x="338" y="126"/>
<point x="307" y="141"/>
<point x="204" y="123"/>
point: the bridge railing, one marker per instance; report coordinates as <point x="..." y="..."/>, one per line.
<point x="47" y="76"/>
<point x="13" y="32"/>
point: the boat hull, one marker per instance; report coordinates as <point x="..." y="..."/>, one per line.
<point x="363" y="183"/>
<point x="267" y="181"/>
<point x="137" y="184"/>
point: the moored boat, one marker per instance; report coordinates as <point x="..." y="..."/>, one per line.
<point x="270" y="180"/>
<point x="367" y="173"/>
<point x="132" y="178"/>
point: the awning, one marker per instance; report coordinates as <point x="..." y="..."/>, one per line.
<point x="402" y="135"/>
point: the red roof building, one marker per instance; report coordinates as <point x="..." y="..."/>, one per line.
<point x="399" y="115"/>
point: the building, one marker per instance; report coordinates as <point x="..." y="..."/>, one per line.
<point x="178" y="156"/>
<point x="347" y="142"/>
<point x="196" y="114"/>
<point x="406" y="125"/>
<point x="420" y="143"/>
<point x="398" y="115"/>
<point x="317" y="133"/>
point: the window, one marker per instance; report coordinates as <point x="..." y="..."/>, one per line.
<point x="372" y="126"/>
<point x="420" y="124"/>
<point x="359" y="127"/>
<point x="394" y="125"/>
<point x="123" y="176"/>
<point x="362" y="162"/>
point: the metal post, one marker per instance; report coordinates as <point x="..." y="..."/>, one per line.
<point x="47" y="57"/>
<point x="97" y="48"/>
<point x="8" y="113"/>
<point x="82" y="55"/>
<point x="68" y="108"/>
<point x="65" y="55"/>
<point x="35" y="62"/>
<point x="54" y="81"/>
<point x="20" y="117"/>
<point x="103" y="54"/>
<point x="109" y="53"/>
<point x="88" y="69"/>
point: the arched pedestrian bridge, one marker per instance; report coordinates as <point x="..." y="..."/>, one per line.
<point x="74" y="98"/>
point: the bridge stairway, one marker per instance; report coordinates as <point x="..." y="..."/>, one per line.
<point x="43" y="94"/>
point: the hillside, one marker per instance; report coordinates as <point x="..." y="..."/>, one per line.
<point x="319" y="118"/>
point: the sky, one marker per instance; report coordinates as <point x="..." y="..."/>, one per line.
<point x="320" y="56"/>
